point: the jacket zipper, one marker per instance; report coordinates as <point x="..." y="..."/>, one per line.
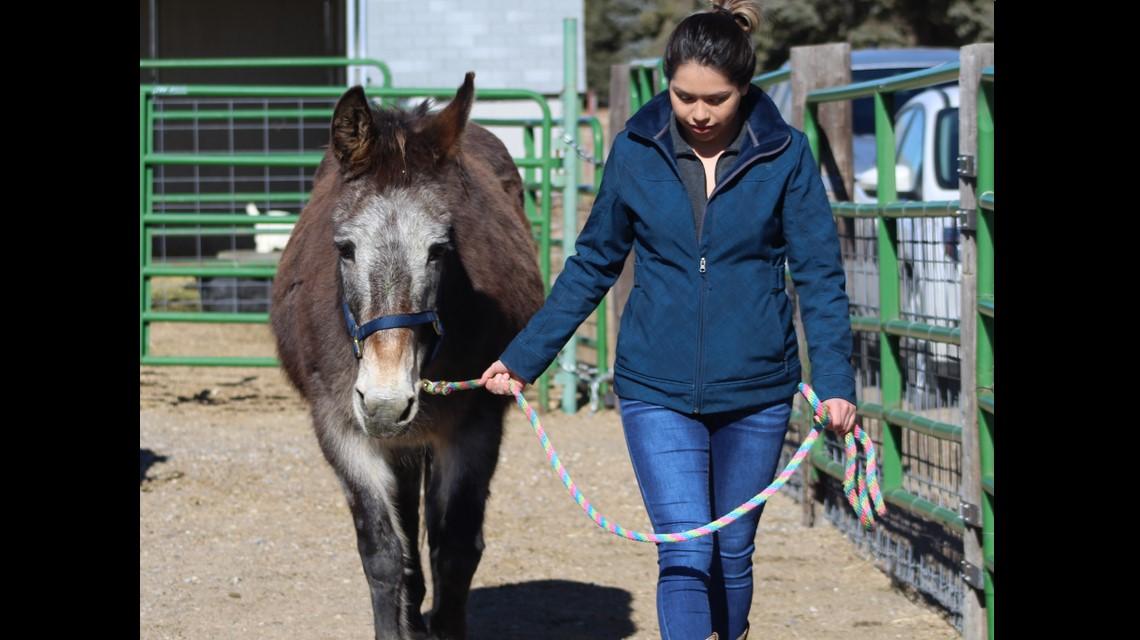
<point x="698" y="394"/>
<point x="699" y="387"/>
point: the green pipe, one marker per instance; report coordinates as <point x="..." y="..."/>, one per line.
<point x="921" y="507"/>
<point x="912" y="421"/>
<point x="267" y="260"/>
<point x="599" y="150"/>
<point x="149" y="200"/>
<point x="545" y="203"/>
<point x="766" y="80"/>
<point x="237" y="159"/>
<point x="600" y="341"/>
<point x="821" y="461"/>
<point x="182" y="198"/>
<point x="528" y="151"/>
<point x="890" y="367"/>
<point x="208" y="361"/>
<point x="923" y="331"/>
<point x="278" y="91"/>
<point x="149" y="252"/>
<point x="261" y="114"/>
<point x="923" y="425"/>
<point x="907" y="209"/>
<point x="526" y="122"/>
<point x="252" y="63"/>
<point x="988" y="484"/>
<point x="919" y="209"/>
<point x="872" y="409"/>
<point x="865" y="323"/>
<point x="206" y="316"/>
<point x="243" y="114"/>
<point x="812" y="131"/>
<point x="210" y="272"/>
<point x="856" y="210"/>
<point x="914" y="80"/>
<point x="570" y="162"/>
<point x="239" y="219"/>
<point x="216" y="231"/>
<point x="985" y="346"/>
<point x="143" y="208"/>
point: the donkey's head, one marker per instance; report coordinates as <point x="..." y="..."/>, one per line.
<point x="392" y="229"/>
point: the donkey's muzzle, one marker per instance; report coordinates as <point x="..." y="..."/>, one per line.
<point x="385" y="414"/>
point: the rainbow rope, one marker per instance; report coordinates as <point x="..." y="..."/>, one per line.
<point x="862" y="489"/>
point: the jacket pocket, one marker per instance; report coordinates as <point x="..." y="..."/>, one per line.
<point x="746" y="332"/>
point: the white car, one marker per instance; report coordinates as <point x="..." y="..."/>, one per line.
<point x="926" y="149"/>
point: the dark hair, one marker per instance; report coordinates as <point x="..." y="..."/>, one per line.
<point x="718" y="38"/>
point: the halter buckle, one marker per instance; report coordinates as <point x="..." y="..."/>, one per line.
<point x="356" y="348"/>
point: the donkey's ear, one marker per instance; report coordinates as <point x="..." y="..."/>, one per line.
<point x="353" y="134"/>
<point x="447" y="126"/>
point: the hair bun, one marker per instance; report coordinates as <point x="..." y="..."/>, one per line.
<point x="746" y="13"/>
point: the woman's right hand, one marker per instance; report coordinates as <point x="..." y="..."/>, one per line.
<point x="501" y="380"/>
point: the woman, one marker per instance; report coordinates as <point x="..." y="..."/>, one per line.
<point x="714" y="193"/>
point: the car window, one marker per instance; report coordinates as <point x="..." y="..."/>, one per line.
<point x="946" y="148"/>
<point x="908" y="151"/>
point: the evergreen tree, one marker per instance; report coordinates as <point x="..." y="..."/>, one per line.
<point x="623" y="30"/>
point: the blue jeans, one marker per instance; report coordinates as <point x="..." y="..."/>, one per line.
<point x="691" y="470"/>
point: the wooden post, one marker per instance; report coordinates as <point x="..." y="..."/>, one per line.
<point x="815" y="67"/>
<point x="619" y="113"/>
<point x="972" y="59"/>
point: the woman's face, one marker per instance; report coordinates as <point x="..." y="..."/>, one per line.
<point x="705" y="103"/>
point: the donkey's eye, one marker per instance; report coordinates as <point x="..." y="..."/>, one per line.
<point x="436" y="251"/>
<point x="347" y="250"/>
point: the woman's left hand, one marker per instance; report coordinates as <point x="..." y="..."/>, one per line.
<point x="842" y="415"/>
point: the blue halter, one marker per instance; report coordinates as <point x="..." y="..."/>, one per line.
<point x="396" y="321"/>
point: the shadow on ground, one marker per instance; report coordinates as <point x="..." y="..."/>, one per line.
<point x="550" y="609"/>
<point x="146" y="459"/>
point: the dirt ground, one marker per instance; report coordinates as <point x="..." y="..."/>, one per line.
<point x="244" y="532"/>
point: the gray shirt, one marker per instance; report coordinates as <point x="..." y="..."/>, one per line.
<point x="693" y="172"/>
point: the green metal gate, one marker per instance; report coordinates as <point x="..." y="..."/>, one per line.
<point x="206" y="152"/>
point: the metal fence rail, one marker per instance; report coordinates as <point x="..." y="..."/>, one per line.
<point x="226" y="170"/>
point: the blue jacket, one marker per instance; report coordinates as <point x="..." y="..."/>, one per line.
<point x="708" y="325"/>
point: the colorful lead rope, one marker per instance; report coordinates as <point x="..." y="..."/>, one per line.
<point x="862" y="489"/>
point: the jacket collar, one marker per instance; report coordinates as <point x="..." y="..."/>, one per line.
<point x="767" y="131"/>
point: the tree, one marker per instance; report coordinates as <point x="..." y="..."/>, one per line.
<point x="623" y="30"/>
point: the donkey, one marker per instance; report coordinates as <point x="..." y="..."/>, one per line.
<point x="416" y="221"/>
